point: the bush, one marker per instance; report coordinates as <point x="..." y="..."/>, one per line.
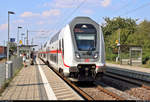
<point x="145" y="58"/>
<point x="148" y="62"/>
<point x="111" y="57"/>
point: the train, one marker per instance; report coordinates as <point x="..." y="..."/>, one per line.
<point x="77" y="51"/>
<point x="3" y="52"/>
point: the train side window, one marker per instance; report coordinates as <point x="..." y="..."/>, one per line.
<point x="63" y="46"/>
<point x="60" y="45"/>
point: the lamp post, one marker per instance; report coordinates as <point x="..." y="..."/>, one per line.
<point x="9" y="12"/>
<point x="32" y="42"/>
<point x="18" y="41"/>
<point x="118" y="44"/>
<point x="22" y="37"/>
<point x="25" y="40"/>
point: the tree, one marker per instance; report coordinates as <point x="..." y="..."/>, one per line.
<point x="127" y="27"/>
<point x="142" y="37"/>
<point x="111" y="28"/>
<point x="13" y="47"/>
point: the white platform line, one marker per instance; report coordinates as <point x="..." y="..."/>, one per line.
<point x="49" y="90"/>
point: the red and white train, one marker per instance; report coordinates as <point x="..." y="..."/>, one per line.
<point x="77" y="50"/>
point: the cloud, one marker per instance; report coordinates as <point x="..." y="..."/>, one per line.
<point x="63" y="3"/>
<point x="105" y="3"/>
<point x="3" y="26"/>
<point x="74" y="3"/>
<point x="48" y="13"/>
<point x="29" y="14"/>
<point x="52" y="12"/>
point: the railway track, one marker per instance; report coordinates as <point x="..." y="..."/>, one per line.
<point x="78" y="90"/>
<point x="85" y="94"/>
<point x="136" y="88"/>
<point x="140" y="83"/>
<point x="99" y="92"/>
<point x="112" y="93"/>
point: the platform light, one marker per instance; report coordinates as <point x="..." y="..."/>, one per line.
<point x="96" y="55"/>
<point x="9" y="12"/>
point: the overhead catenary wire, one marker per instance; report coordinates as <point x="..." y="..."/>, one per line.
<point x="123" y="7"/>
<point x="133" y="10"/>
<point x="69" y="15"/>
<point x="116" y="11"/>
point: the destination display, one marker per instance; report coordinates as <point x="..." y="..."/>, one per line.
<point x="85" y="37"/>
<point x="82" y="30"/>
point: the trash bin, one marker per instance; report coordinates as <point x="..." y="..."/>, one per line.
<point x="9" y="69"/>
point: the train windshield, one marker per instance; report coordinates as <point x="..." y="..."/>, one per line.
<point x="85" y="36"/>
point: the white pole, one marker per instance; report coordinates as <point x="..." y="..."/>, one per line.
<point x="8" y="40"/>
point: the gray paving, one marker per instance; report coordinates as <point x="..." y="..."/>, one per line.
<point x="27" y="85"/>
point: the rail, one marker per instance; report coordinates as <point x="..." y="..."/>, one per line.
<point x="129" y="80"/>
<point x="78" y="90"/>
<point x="109" y="92"/>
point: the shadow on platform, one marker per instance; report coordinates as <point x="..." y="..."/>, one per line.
<point x="30" y="84"/>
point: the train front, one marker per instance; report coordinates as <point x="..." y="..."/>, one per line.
<point x="89" y="50"/>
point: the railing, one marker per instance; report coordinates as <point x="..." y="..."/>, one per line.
<point x="2" y="73"/>
<point x="8" y="69"/>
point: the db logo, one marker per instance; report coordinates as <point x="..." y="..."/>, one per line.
<point x="86" y="60"/>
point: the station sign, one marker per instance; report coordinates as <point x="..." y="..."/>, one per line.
<point x="117" y="42"/>
<point x="20" y="42"/>
<point x="12" y="39"/>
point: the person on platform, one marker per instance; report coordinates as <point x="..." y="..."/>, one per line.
<point x="33" y="58"/>
<point x="24" y="60"/>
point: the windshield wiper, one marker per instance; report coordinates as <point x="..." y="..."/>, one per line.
<point x="89" y="52"/>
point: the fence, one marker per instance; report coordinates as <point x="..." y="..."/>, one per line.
<point x="2" y="73"/>
<point x="8" y="70"/>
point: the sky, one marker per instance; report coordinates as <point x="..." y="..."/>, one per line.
<point x="43" y="18"/>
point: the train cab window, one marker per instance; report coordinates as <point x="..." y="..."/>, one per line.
<point x="85" y="36"/>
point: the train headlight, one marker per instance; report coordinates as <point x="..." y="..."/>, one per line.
<point x="96" y="55"/>
<point x="77" y="55"/>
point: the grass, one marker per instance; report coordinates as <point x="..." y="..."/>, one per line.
<point x="7" y="82"/>
<point x="146" y="66"/>
<point x="113" y="62"/>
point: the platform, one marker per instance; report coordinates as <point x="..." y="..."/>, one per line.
<point x="131" y="71"/>
<point x="38" y="82"/>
